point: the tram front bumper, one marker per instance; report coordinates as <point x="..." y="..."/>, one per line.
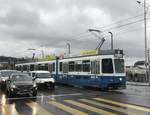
<point x="113" y="82"/>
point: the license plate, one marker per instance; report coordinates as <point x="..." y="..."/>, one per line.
<point x="48" y="84"/>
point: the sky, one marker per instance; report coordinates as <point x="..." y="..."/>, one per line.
<point x="49" y="25"/>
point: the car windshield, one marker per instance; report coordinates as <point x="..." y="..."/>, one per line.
<point x="7" y="73"/>
<point x="43" y="75"/>
<point x="22" y="77"/>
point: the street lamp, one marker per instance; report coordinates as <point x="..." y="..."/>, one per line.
<point x="68" y="44"/>
<point x="102" y="39"/>
<point x="32" y="49"/>
<point x="42" y="51"/>
<point x="145" y="35"/>
<point x="111" y="40"/>
<point x="90" y="30"/>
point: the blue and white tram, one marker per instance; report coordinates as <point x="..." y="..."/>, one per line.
<point x="104" y="71"/>
<point x="33" y="66"/>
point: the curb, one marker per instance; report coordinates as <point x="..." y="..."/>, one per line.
<point x="137" y="84"/>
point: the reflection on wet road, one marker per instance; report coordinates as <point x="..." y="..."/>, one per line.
<point x="68" y="100"/>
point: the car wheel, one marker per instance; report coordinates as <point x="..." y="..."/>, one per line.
<point x="34" y="93"/>
<point x="53" y="86"/>
<point x="10" y="94"/>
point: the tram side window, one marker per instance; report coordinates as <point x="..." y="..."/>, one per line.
<point x="21" y="68"/>
<point x="53" y="67"/>
<point x="31" y="67"/>
<point x="71" y="66"/>
<point x="50" y="67"/>
<point x="97" y="67"/>
<point x="60" y="66"/>
<point x="65" y="67"/>
<point x="107" y="66"/>
<point x="35" y="67"/>
<point x="46" y="67"/>
<point x="86" y="65"/>
<point x="18" y="68"/>
<point x="119" y="65"/>
<point x="78" y="66"/>
<point x="25" y="67"/>
<point x="39" y="67"/>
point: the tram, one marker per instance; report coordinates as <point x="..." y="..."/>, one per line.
<point x="104" y="70"/>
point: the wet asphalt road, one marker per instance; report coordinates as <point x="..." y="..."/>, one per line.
<point x="64" y="100"/>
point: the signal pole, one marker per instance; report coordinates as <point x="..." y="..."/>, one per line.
<point x="145" y="33"/>
<point x="68" y="44"/>
<point x="145" y="36"/>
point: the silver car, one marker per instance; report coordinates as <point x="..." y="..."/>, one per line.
<point x="4" y="77"/>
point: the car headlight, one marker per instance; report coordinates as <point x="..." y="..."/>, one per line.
<point x="3" y="80"/>
<point x="13" y="86"/>
<point x="34" y="85"/>
<point x="52" y="80"/>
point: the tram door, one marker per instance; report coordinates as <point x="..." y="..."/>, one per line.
<point x="95" y="70"/>
<point x="95" y="67"/>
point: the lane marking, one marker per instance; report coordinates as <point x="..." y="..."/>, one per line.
<point x="123" y="104"/>
<point x="49" y="96"/>
<point x="93" y="109"/>
<point x="66" y="108"/>
<point x="37" y="109"/>
<point x="109" y="107"/>
<point x="10" y="109"/>
<point x="64" y="95"/>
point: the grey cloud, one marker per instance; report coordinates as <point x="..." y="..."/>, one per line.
<point x="23" y="22"/>
<point x="20" y="17"/>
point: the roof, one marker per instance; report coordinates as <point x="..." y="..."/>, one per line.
<point x="8" y="70"/>
<point x="101" y="53"/>
<point x="40" y="71"/>
<point x="18" y="73"/>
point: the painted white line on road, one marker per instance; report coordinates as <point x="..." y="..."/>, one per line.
<point x="64" y="95"/>
<point x="42" y="96"/>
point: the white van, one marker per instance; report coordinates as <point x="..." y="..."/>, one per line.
<point x="43" y="78"/>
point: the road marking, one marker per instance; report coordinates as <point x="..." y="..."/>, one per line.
<point x="123" y="104"/>
<point x="93" y="109"/>
<point x="64" y="95"/>
<point x="10" y="110"/>
<point x="109" y="106"/>
<point x="37" y="109"/>
<point x="49" y="96"/>
<point x="66" y="108"/>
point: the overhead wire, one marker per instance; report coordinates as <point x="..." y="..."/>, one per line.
<point x="119" y="26"/>
<point x="81" y="36"/>
<point x="107" y="26"/>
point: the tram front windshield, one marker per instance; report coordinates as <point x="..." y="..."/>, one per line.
<point x="119" y="65"/>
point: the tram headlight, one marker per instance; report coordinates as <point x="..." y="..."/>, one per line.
<point x="120" y="79"/>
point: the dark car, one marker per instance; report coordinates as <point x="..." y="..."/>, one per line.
<point x="20" y="84"/>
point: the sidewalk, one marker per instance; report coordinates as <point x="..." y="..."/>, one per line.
<point x="137" y="83"/>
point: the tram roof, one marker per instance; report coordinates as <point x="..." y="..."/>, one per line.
<point x="116" y="53"/>
<point x="101" y="52"/>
